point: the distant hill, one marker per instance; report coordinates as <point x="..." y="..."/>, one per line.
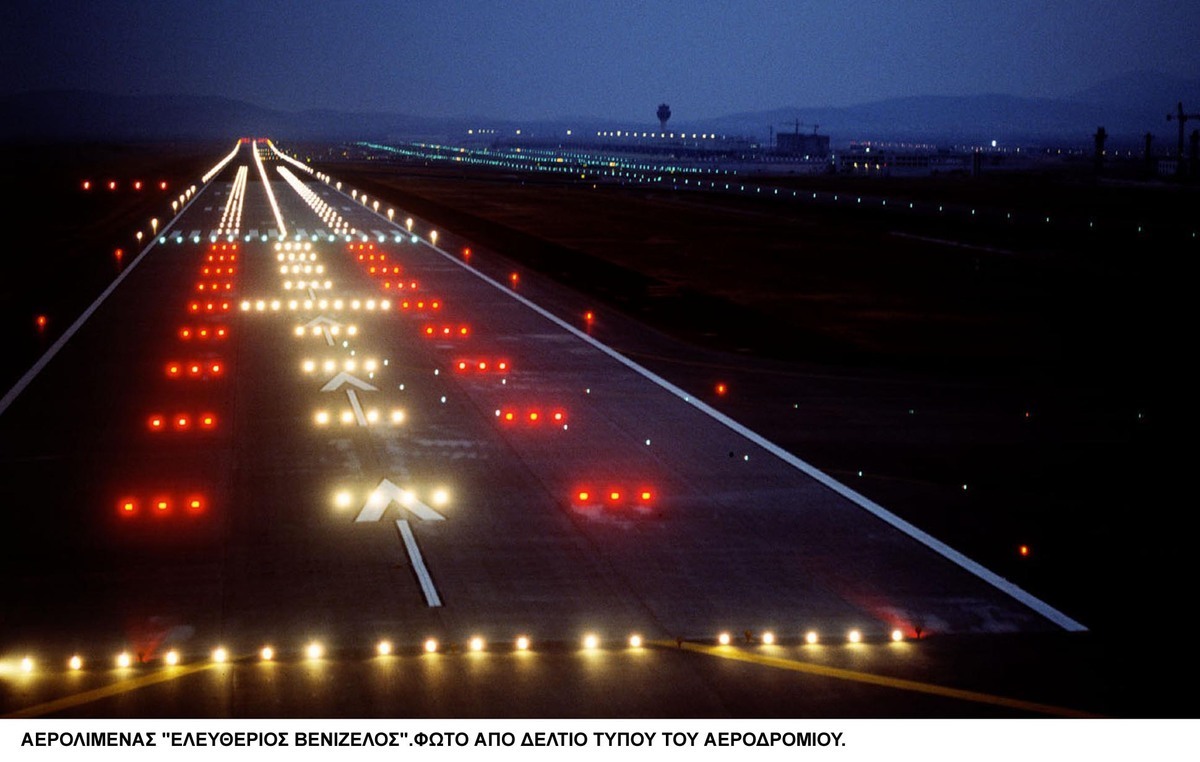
<point x="1126" y="106"/>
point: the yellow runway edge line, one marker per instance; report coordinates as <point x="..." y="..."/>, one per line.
<point x="730" y="652"/>
<point x="108" y="691"/>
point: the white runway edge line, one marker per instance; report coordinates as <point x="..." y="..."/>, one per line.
<point x="38" y="366"/>
<point x="949" y="553"/>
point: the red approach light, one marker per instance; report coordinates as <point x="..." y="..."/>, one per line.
<point x="156" y="423"/>
<point x="137" y="184"/>
<point x="112" y="185"/>
<point x="118" y="254"/>
<point x="466" y="252"/>
<point x="174" y="370"/>
<point x="40" y="321"/>
<point x="181" y="422"/>
<point x="1024" y="551"/>
<point x="589" y="316"/>
<point x="161" y="506"/>
<point x="721" y="389"/>
<point x="207" y="421"/>
<point x="162" y="185"/>
<point x="127" y="506"/>
<point x="615" y="497"/>
<point x="87" y="184"/>
<point x="194" y="307"/>
<point x="194" y="504"/>
<point x="534" y="416"/>
<point x="514" y="278"/>
<point x="185" y="333"/>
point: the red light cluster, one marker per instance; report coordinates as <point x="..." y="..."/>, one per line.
<point x="208" y="307"/>
<point x="420" y="305"/>
<point x="182" y="422"/>
<point x="161" y="505"/>
<point x="532" y="417"/>
<point x="613" y="497"/>
<point x="222" y="252"/>
<point x="207" y="270"/>
<point x="214" y="286"/>
<point x="195" y="369"/>
<point x="482" y="366"/>
<point x="203" y="333"/>
<point x="398" y="285"/>
<point x="445" y="331"/>
<point x="382" y="270"/>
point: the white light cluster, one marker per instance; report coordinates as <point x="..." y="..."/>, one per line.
<point x="231" y="218"/>
<point x="210" y="174"/>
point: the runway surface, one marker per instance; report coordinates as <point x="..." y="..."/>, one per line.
<point x="294" y="419"/>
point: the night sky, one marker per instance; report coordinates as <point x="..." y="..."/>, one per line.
<point x="523" y="59"/>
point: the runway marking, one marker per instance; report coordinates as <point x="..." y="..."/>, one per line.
<point x="820" y="670"/>
<point x="386" y="494"/>
<point x="414" y="555"/>
<point x="108" y="691"/>
<point x="939" y="547"/>
<point x="45" y="359"/>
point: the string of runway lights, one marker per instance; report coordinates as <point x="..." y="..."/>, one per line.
<point x="316" y="650"/>
<point x="596" y="166"/>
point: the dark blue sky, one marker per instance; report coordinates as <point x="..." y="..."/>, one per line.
<point x="524" y="59"/>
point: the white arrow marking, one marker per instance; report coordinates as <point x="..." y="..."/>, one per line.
<point x="325" y="324"/>
<point x="343" y="378"/>
<point x="387" y="493"/>
<point x="414" y="555"/>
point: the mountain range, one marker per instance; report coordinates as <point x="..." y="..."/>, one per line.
<point x="1128" y="107"/>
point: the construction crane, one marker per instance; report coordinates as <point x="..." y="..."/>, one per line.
<point x="1182" y="118"/>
